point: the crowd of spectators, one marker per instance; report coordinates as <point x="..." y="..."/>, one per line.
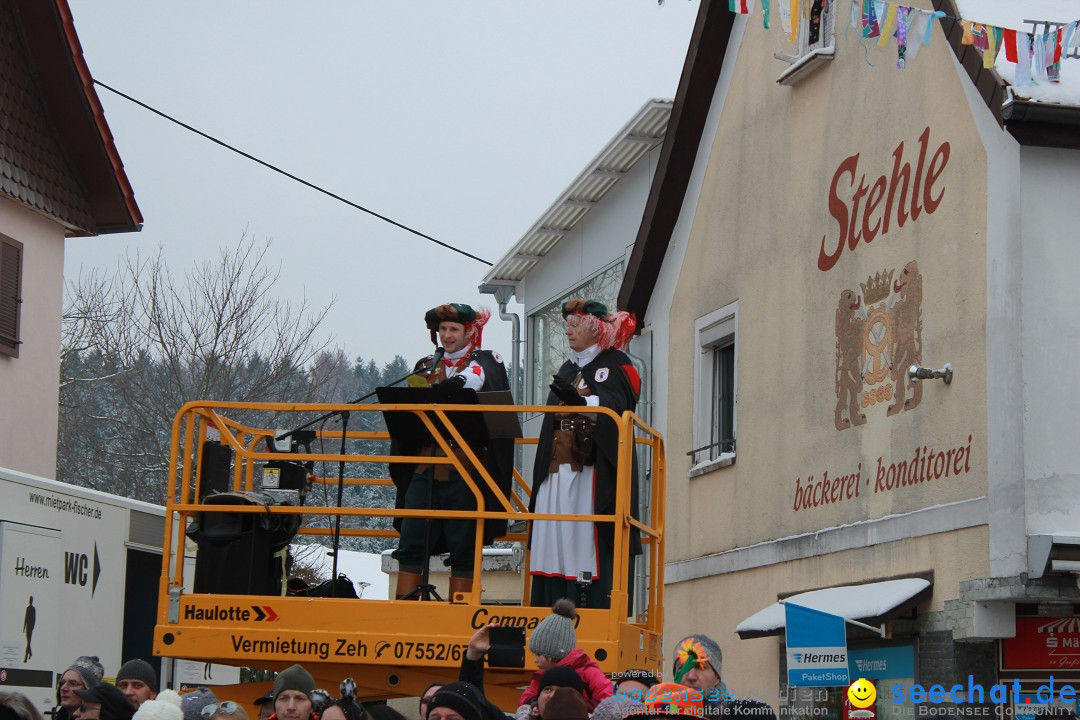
<point x="567" y="685"/>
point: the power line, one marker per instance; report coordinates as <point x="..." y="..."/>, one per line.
<point x="289" y="175"/>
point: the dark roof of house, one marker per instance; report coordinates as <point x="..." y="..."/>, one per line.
<point x="57" y="154"/>
<point x="1031" y="123"/>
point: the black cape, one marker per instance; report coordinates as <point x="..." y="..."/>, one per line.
<point x="499" y="460"/>
<point x="618" y="390"/>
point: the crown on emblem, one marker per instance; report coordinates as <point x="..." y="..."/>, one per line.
<point x="877" y="287"/>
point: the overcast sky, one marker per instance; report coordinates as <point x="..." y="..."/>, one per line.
<point x="464" y="119"/>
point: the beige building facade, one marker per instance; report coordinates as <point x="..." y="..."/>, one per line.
<point x="60" y="176"/>
<point x="809" y="238"/>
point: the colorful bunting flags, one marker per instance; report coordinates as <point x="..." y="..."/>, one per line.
<point x="1023" y="60"/>
<point x="785" y="16"/>
<point x="1010" y="45"/>
<point x="741" y="7"/>
<point x="889" y="26"/>
<point x="912" y="28"/>
<point x="870" y="27"/>
<point x="901" y="37"/>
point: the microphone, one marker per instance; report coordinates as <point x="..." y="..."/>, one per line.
<point x="436" y="359"/>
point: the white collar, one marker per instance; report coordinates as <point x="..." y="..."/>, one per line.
<point x="586" y="356"/>
<point x="460" y="353"/>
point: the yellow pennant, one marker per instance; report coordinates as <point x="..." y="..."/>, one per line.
<point x="968" y="38"/>
<point x="889" y="26"/>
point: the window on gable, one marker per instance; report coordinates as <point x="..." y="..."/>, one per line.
<point x="715" y="390"/>
<point x="816" y="42"/>
<point x="10" y="295"/>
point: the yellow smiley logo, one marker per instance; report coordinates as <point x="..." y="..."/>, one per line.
<point x="862" y="693"/>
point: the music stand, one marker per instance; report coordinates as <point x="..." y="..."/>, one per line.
<point x="410" y="434"/>
<point x="500" y="425"/>
<point x="409" y="431"/>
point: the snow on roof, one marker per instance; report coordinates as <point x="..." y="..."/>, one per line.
<point x="853" y="602"/>
<point x="1012" y="14"/>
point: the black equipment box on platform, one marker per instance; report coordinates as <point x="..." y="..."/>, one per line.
<point x="241" y="553"/>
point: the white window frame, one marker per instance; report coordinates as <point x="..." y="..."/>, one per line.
<point x="807" y="57"/>
<point x="716" y="329"/>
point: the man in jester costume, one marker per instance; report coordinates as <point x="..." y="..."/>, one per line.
<point x="459" y="329"/>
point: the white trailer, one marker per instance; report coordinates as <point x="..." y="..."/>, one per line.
<point x="79" y="574"/>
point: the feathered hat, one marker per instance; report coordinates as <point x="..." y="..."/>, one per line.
<point x="612" y="329"/>
<point x="474" y="320"/>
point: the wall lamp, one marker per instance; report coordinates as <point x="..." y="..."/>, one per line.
<point x="918" y="372"/>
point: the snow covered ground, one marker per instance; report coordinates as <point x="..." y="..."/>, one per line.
<point x="364" y="569"/>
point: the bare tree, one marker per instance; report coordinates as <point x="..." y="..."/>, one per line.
<point x="139" y="343"/>
<point x="305" y="562"/>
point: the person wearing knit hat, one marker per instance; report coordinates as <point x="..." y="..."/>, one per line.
<point x="559" y="676"/>
<point x="85" y="672"/>
<point x="292" y="694"/>
<point x="575" y="470"/>
<point x="89" y="668"/>
<point x="554" y="636"/>
<point x="104" y="702"/>
<point x="698" y="663"/>
<point x="430" y="690"/>
<point x="563" y="704"/>
<point x="457" y="701"/>
<point x="459" y="365"/>
<point x="553" y="642"/>
<point x="192" y="703"/>
<point x="168" y="705"/>
<point x="138" y="681"/>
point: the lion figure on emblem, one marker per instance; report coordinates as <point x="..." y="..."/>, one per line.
<point x="907" y="336"/>
<point x="849" y="376"/>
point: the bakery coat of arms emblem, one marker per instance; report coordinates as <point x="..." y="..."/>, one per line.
<point x="878" y="336"/>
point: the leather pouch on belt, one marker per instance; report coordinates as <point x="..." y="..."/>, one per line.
<point x="572" y="441"/>
<point x="582" y="450"/>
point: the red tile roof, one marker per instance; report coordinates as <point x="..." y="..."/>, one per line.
<point x="57" y="153"/>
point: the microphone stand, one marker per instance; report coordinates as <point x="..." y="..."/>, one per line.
<point x="340" y="493"/>
<point x="435" y="360"/>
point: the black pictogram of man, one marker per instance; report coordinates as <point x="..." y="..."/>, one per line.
<point x="28" y="627"/>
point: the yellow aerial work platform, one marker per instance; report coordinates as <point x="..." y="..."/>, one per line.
<point x="392" y="648"/>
